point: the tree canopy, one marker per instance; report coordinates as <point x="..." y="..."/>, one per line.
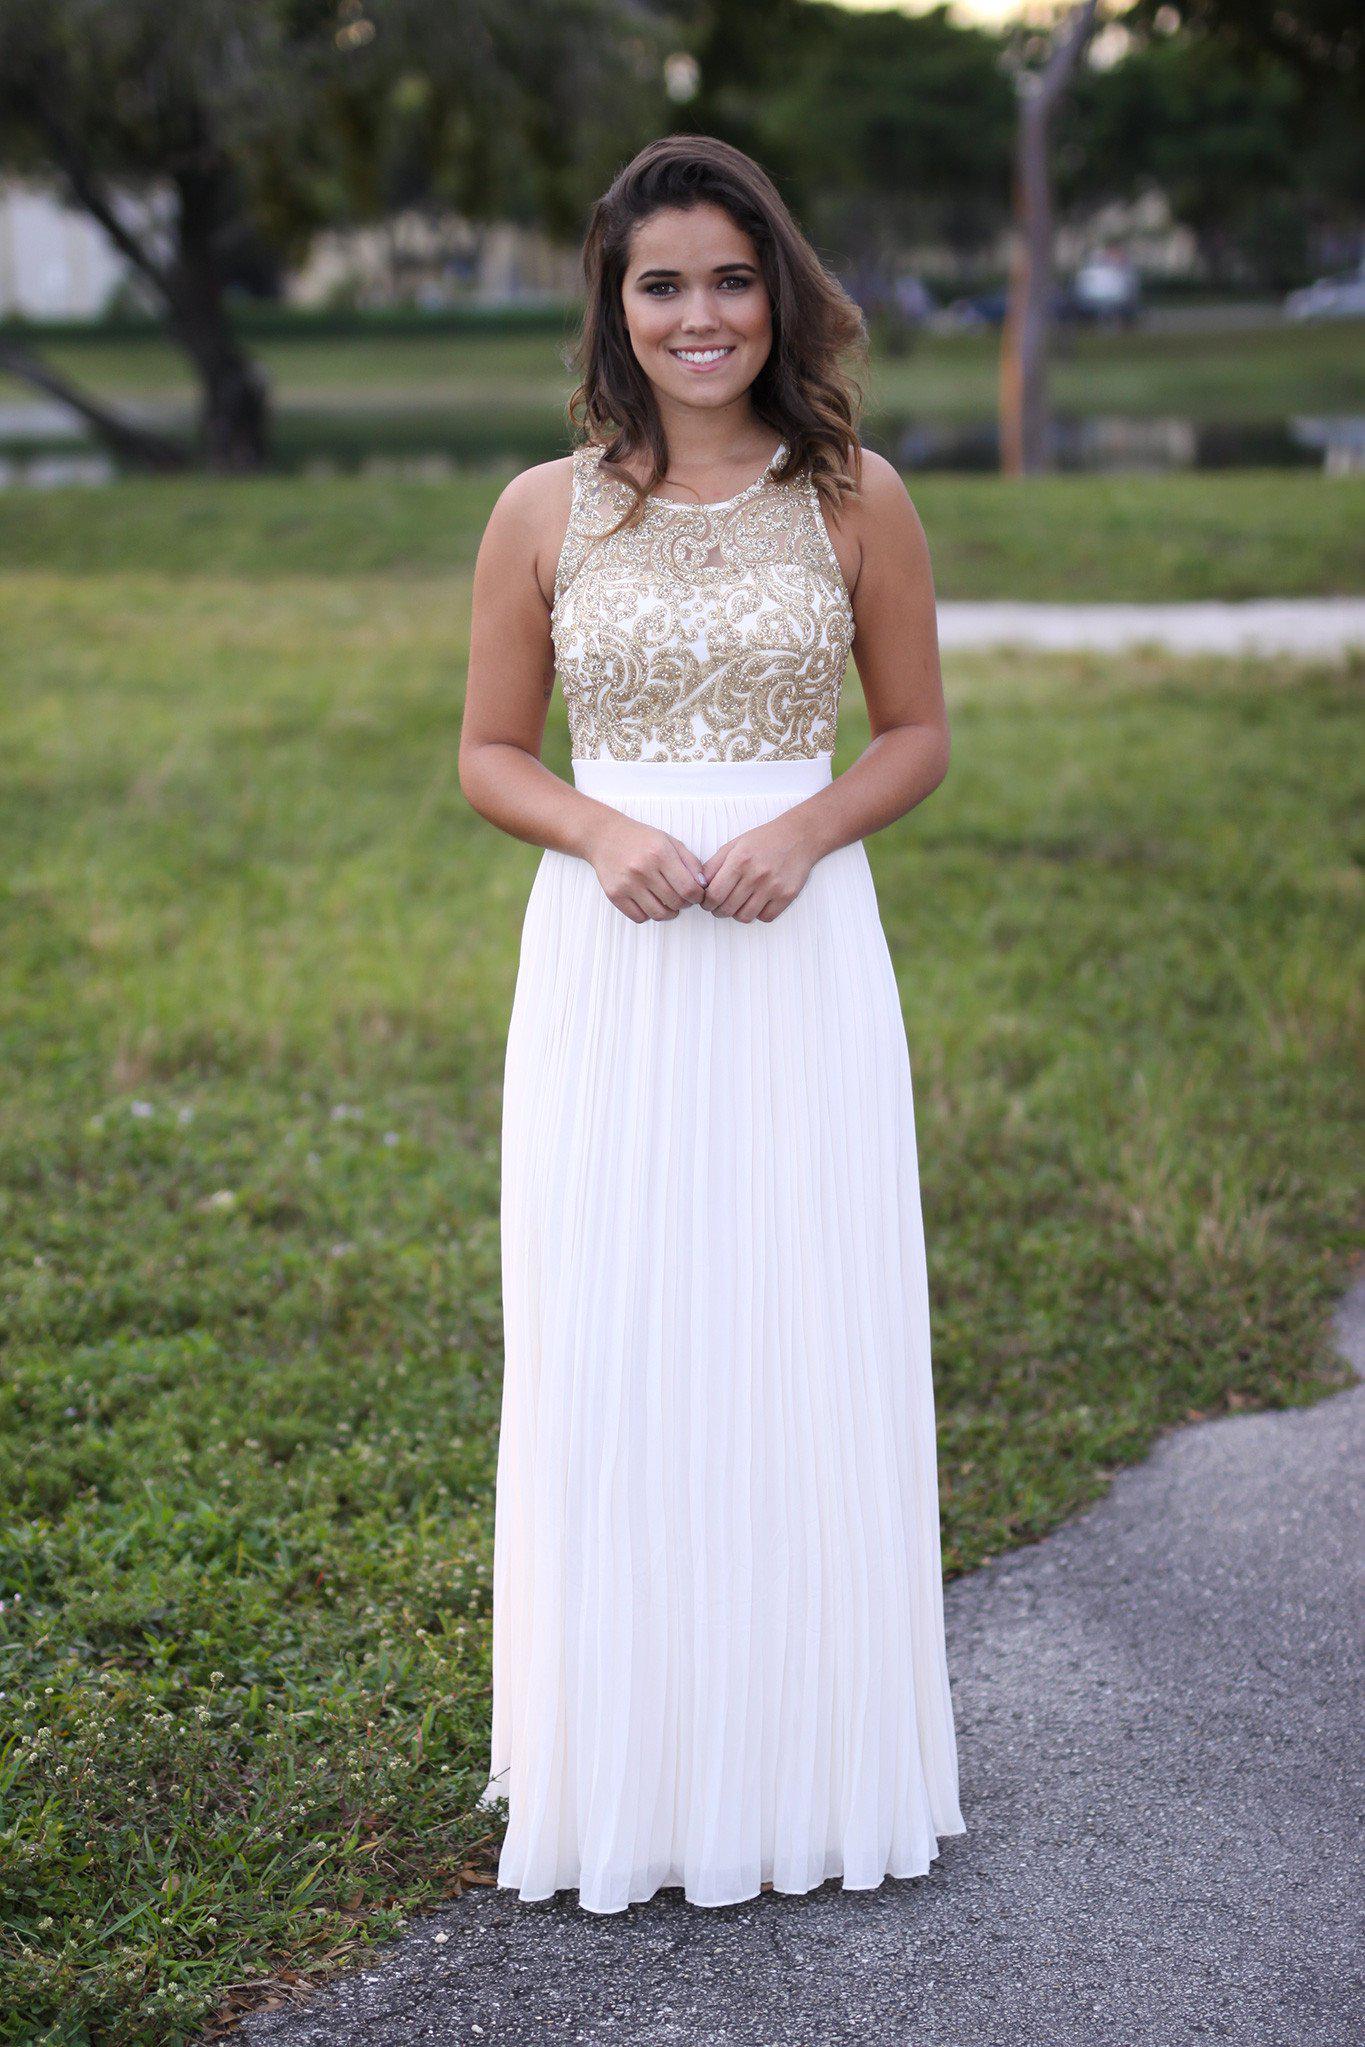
<point x="262" y="123"/>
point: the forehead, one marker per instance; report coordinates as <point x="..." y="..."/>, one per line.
<point x="689" y="238"/>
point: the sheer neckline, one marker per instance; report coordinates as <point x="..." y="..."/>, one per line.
<point x="723" y="504"/>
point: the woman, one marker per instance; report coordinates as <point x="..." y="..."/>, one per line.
<point x="718" y="1655"/>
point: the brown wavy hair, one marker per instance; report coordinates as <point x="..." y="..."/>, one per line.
<point x="802" y="391"/>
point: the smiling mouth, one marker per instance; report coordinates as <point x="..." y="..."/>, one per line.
<point x="701" y="358"/>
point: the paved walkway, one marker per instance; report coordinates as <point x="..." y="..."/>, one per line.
<point x="1160" y="1727"/>
<point x="1319" y="628"/>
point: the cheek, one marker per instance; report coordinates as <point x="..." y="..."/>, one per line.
<point x="647" y="321"/>
<point x="753" y="317"/>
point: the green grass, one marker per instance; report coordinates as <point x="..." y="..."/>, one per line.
<point x="1244" y="374"/>
<point x="259" y="957"/>
<point x="1246" y="534"/>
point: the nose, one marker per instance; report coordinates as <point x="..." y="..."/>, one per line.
<point x="699" y="314"/>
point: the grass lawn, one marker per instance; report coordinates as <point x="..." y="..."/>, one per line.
<point x="1231" y="535"/>
<point x="259" y="956"/>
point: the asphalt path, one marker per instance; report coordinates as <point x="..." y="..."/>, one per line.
<point x="1163" y="1778"/>
<point x="1308" y="628"/>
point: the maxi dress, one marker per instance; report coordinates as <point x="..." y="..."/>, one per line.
<point x="718" y="1651"/>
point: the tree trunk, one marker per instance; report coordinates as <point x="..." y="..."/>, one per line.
<point x="234" y="418"/>
<point x="234" y="408"/>
<point x="1025" y="419"/>
<point x="137" y="447"/>
<point x="234" y="414"/>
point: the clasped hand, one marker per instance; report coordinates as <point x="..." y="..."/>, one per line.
<point x="648" y="874"/>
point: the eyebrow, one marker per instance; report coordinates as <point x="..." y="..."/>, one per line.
<point x="717" y="267"/>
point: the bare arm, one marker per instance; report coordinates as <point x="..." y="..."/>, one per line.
<point x="762" y="871"/>
<point x="645" y="873"/>
<point x="896" y="655"/>
<point x="511" y="677"/>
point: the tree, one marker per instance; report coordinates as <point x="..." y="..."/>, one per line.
<point x="261" y="122"/>
<point x="1025" y="426"/>
<point x="1250" y="118"/>
<point x="1322" y="40"/>
<point x="888" y="128"/>
<point x="1216" y="133"/>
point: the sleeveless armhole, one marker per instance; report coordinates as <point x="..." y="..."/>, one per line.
<point x="571" y="549"/>
<point x="822" y="536"/>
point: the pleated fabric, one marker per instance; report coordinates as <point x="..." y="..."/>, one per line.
<point x="718" y="1647"/>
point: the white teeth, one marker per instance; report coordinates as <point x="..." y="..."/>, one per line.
<point x="700" y="354"/>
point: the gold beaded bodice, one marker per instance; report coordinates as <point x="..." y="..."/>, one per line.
<point x="703" y="632"/>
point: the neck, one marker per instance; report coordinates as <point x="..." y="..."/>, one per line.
<point x="701" y="443"/>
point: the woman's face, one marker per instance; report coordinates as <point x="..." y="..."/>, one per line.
<point x="696" y="305"/>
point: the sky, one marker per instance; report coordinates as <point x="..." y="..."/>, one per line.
<point x="985" y="11"/>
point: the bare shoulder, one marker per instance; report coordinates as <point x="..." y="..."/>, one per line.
<point x="877" y="532"/>
<point x="527" y="524"/>
<point x="536" y="494"/>
<point x="882" y="496"/>
<point x="884" y="523"/>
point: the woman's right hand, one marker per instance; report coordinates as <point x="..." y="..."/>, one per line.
<point x="646" y="873"/>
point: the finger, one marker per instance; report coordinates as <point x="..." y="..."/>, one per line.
<point x="747" y="911"/>
<point x="664" y="890"/>
<point x="711" y="867"/>
<point x="655" y="907"/>
<point x="660" y="881"/>
<point x="695" y="867"/>
<point x="755" y="892"/>
<point x="726" y="892"/>
<point x="638" y="904"/>
<point x="714" y="899"/>
<point x="683" y="875"/>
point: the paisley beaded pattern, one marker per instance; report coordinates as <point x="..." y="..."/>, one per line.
<point x="704" y="632"/>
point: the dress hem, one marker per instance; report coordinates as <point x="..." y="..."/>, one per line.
<point x="674" y="1883"/>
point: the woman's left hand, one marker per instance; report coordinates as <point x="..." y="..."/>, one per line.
<point x="758" y="874"/>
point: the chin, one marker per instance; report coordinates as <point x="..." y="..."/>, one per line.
<point x="679" y="384"/>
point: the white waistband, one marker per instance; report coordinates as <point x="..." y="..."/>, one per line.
<point x="600" y="777"/>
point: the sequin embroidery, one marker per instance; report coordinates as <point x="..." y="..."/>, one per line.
<point x="703" y="632"/>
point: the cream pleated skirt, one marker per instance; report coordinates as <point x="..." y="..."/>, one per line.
<point x="718" y="1650"/>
